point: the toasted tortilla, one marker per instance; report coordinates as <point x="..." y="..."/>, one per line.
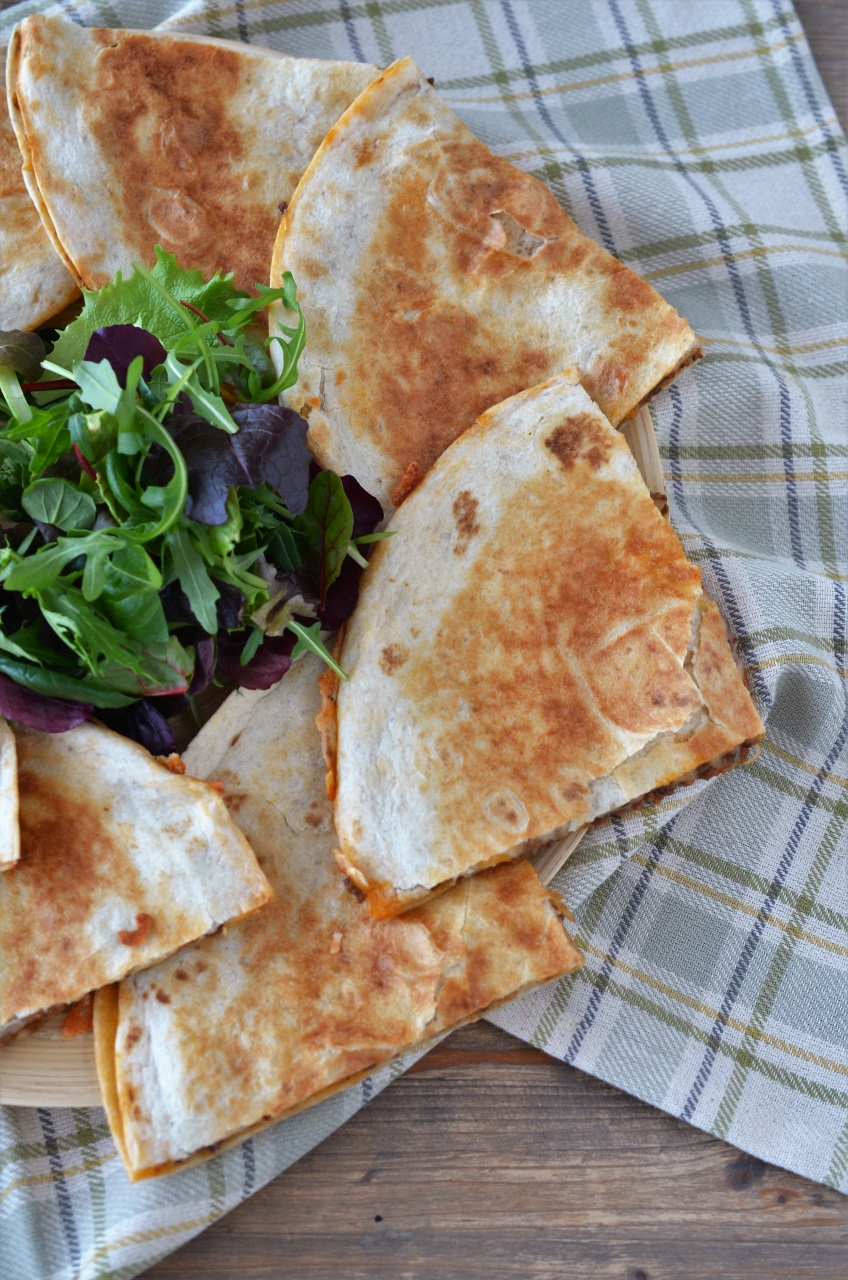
<point x="530" y="651"/>
<point x="122" y="862"/>
<point x="437" y="280"/>
<point x="34" y="282"/>
<point x="133" y="138"/>
<point x="10" y="834"/>
<point x="284" y="1009"/>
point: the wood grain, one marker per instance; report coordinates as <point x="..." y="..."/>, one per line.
<point x="491" y="1162"/>
<point x="826" y="25"/>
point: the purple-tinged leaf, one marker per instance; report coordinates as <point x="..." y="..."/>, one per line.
<point x="120" y="344"/>
<point x="170" y="704"/>
<point x="271" y="444"/>
<point x="144" y="723"/>
<point x="268" y="665"/>
<point x="341" y="597"/>
<point x="229" y="608"/>
<point x="38" y="710"/>
<point x="367" y="512"/>
<point x="204" y="664"/>
<point x="270" y="448"/>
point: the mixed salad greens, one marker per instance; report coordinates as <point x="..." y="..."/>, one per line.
<point x="162" y="514"/>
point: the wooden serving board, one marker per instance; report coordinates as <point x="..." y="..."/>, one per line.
<point x="48" y="1069"/>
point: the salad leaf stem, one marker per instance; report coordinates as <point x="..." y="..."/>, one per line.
<point x="14" y="397"/>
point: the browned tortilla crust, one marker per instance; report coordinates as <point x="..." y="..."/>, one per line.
<point x="34" y="282"/>
<point x="109" y="883"/>
<point x="531" y="650"/>
<point x="437" y="279"/>
<point x="181" y="140"/>
<point x="282" y="1009"/>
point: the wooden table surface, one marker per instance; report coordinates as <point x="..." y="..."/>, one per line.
<point x="491" y="1160"/>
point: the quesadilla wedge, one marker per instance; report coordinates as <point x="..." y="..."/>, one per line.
<point x="34" y="282"/>
<point x="437" y="280"/>
<point x="122" y="862"/>
<point x="530" y="651"/>
<point x="284" y="1009"/>
<point x="10" y="832"/>
<point x="133" y="138"/>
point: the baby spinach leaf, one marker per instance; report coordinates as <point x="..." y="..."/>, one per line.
<point x="130" y="596"/>
<point x="60" y="503"/>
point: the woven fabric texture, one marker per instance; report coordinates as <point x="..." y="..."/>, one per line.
<point x="696" y="142"/>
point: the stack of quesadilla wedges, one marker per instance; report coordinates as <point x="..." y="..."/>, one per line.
<point x="284" y="1009"/>
<point x="531" y="651"/>
<point x="121" y="862"/>
<point x="437" y="280"/>
<point x="133" y="138"/>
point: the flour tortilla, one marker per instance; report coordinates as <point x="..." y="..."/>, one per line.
<point x="437" y="280"/>
<point x="133" y="138"/>
<point x="10" y="834"/>
<point x="284" y="1009"/>
<point x="531" y="650"/>
<point x="122" y="862"/>
<point x="34" y="282"/>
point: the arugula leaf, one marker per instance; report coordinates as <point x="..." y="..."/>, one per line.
<point x="91" y="636"/>
<point x="290" y="343"/>
<point x="40" y="571"/>
<point x="327" y="524"/>
<point x="190" y="572"/>
<point x="60" y="503"/>
<point x="25" y="643"/>
<point x="309" y="640"/>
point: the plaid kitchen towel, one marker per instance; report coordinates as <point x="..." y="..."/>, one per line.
<point x="696" y="142"/>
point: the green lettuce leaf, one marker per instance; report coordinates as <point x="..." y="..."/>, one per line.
<point x="138" y="299"/>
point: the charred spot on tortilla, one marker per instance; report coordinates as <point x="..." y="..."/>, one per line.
<point x="465" y="514"/>
<point x="392" y="658"/>
<point x="138" y="936"/>
<point x="579" y="437"/>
